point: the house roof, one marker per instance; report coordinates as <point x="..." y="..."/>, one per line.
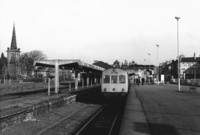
<point x="190" y="59"/>
<point x="102" y="64"/>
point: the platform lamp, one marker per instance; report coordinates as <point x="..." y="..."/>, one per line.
<point x="157" y="64"/>
<point x="149" y="60"/>
<point x="149" y="66"/>
<point x="177" y="18"/>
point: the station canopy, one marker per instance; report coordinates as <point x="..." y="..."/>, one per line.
<point x="68" y="64"/>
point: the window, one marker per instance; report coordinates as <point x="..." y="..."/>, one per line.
<point x="122" y="79"/>
<point x="114" y="79"/>
<point x="106" y="79"/>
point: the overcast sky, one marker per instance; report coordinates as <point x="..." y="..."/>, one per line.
<point x="103" y="30"/>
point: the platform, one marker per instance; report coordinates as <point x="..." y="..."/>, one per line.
<point x="134" y="120"/>
<point x="17" y="110"/>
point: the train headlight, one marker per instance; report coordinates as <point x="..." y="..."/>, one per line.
<point x="104" y="89"/>
<point x="113" y="89"/>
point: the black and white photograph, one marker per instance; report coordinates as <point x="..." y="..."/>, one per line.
<point x="99" y="67"/>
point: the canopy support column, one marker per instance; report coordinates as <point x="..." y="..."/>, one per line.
<point x="56" y="76"/>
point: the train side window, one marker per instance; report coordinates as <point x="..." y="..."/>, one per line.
<point x="122" y="79"/>
<point x="114" y="79"/>
<point x="106" y="79"/>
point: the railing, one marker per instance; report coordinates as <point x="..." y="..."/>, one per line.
<point x="195" y="82"/>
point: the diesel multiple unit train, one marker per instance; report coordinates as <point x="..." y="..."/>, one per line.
<point x="115" y="83"/>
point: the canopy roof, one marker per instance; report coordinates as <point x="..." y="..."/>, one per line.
<point x="68" y="64"/>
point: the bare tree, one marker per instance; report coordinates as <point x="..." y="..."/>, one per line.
<point x="37" y="55"/>
<point x="27" y="60"/>
<point x="126" y="62"/>
<point x="132" y="63"/>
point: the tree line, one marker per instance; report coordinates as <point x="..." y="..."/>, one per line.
<point x="124" y="64"/>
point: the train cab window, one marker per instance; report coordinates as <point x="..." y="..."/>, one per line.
<point x="106" y="79"/>
<point x="114" y="79"/>
<point x="122" y="79"/>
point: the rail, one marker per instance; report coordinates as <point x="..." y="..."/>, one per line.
<point x="89" y="121"/>
<point x="103" y="122"/>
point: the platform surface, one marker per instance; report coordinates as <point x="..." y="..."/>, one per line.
<point x="29" y="100"/>
<point x="167" y="110"/>
<point x="134" y="121"/>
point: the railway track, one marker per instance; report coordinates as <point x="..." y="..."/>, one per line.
<point x="25" y="93"/>
<point x="106" y="121"/>
<point x="35" y="92"/>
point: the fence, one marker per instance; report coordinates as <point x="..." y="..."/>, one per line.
<point x="187" y="82"/>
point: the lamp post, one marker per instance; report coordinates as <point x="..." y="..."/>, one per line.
<point x="157" y="64"/>
<point x="145" y="69"/>
<point x="177" y="18"/>
<point x="195" y="78"/>
<point x="194" y="73"/>
<point x="149" y="60"/>
<point x="149" y="67"/>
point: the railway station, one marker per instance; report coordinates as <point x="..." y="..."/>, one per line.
<point x="108" y="99"/>
<point x="89" y="73"/>
<point x="99" y="67"/>
<point x="30" y="108"/>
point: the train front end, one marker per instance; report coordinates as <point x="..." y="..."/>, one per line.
<point x="115" y="83"/>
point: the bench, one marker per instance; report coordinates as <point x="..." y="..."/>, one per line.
<point x="193" y="89"/>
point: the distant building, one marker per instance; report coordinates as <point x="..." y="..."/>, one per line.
<point x="141" y="71"/>
<point x="102" y="64"/>
<point x="13" y="56"/>
<point x="116" y="64"/>
<point x="189" y="66"/>
<point x="168" y="69"/>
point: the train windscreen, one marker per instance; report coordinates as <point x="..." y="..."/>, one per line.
<point x="106" y="79"/>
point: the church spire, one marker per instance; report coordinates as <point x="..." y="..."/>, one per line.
<point x="13" y="42"/>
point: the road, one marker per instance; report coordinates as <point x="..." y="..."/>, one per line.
<point x="169" y="111"/>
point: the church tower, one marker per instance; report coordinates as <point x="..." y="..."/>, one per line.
<point x="13" y="55"/>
